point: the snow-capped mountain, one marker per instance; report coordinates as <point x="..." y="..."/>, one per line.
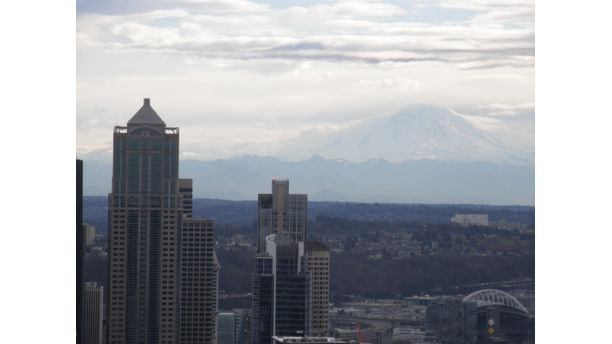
<point x="414" y="132"/>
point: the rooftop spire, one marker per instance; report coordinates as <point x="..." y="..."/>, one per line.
<point x="146" y="115"/>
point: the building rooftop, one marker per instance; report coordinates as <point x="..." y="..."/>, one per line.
<point x="146" y="115"/>
<point x="315" y="246"/>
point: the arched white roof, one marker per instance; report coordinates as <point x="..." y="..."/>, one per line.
<point x="493" y="297"/>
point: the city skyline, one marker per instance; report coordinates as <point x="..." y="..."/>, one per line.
<point x="85" y="65"/>
<point x="351" y="81"/>
<point x="163" y="272"/>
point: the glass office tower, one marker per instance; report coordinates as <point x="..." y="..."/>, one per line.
<point x="281" y="290"/>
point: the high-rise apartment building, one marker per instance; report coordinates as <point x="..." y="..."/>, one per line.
<point x="317" y="264"/>
<point x="281" y="212"/>
<point x="151" y="244"/>
<point x="93" y="314"/>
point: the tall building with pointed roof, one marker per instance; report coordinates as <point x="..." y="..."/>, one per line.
<point x="149" y="217"/>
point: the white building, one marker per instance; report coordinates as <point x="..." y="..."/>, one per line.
<point x="90" y="234"/>
<point x="471" y="219"/>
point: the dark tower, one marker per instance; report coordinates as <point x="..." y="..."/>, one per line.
<point x="79" y="251"/>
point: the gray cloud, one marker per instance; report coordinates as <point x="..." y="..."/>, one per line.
<point x="320" y="32"/>
<point x="241" y="75"/>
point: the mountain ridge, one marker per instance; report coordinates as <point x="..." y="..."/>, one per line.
<point x="418" y="181"/>
<point x="414" y="132"/>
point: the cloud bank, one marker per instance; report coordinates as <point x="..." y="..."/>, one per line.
<point x="241" y="73"/>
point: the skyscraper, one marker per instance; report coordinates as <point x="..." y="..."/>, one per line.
<point x="281" y="290"/>
<point x="198" y="283"/>
<point x="291" y="277"/>
<point x="281" y="212"/>
<point x="79" y="251"/>
<point x="317" y="264"/>
<point x="93" y="308"/>
<point x="147" y="237"/>
<point x="263" y="300"/>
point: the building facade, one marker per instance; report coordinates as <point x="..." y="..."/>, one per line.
<point x="281" y="293"/>
<point x="317" y="264"/>
<point x="145" y="210"/>
<point x="93" y="314"/>
<point x="80" y="251"/>
<point x="242" y="325"/>
<point x="281" y="212"/>
<point x="263" y="300"/>
<point x="198" y="283"/>
<point x="291" y="278"/>
<point x="185" y="187"/>
<point x="226" y="328"/>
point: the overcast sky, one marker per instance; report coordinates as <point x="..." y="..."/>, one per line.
<point x="242" y="77"/>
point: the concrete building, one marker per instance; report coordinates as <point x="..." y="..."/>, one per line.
<point x="317" y="264"/>
<point x="263" y="300"/>
<point x="93" y="314"/>
<point x="90" y="234"/>
<point x="150" y="299"/>
<point x="281" y="212"/>
<point x="471" y="219"/>
<point x="198" y="282"/>
<point x="185" y="187"/>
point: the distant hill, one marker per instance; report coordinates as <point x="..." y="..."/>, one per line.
<point x="416" y="181"/>
<point x="244" y="213"/>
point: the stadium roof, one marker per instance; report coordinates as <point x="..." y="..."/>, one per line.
<point x="494" y="297"/>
